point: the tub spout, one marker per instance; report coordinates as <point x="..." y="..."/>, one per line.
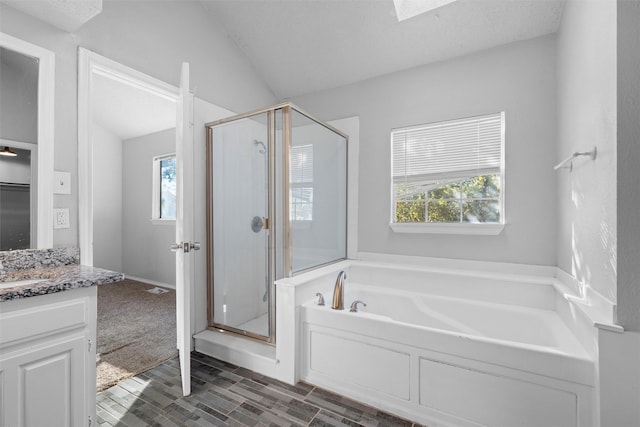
<point x="338" y="292"/>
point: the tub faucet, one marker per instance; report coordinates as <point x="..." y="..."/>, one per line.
<point x="338" y="292"/>
<point x="354" y="305"/>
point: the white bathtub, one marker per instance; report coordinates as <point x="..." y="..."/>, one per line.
<point x="449" y="348"/>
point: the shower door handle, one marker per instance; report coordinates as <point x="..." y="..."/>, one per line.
<point x="258" y="223"/>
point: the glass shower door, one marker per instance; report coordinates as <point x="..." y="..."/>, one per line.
<point x="238" y="156"/>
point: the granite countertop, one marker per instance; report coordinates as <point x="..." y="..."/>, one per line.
<point x="56" y="279"/>
<point x="58" y="269"/>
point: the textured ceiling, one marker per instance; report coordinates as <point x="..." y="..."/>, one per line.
<point x="303" y="46"/>
<point x="68" y="15"/>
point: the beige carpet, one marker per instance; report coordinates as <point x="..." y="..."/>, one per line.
<point x="136" y="330"/>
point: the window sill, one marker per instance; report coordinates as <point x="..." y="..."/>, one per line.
<point x="470" y="229"/>
<point x="159" y="221"/>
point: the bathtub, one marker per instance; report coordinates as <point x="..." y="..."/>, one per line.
<point x="449" y="348"/>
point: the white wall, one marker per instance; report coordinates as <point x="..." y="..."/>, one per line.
<point x="619" y="385"/>
<point x="599" y="104"/>
<point x="586" y="242"/>
<point x="152" y="37"/>
<point x="18" y="97"/>
<point x="107" y="199"/>
<point x="519" y="79"/>
<point x="145" y="246"/>
<point x="628" y="159"/>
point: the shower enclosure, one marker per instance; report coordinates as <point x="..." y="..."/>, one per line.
<point x="276" y="206"/>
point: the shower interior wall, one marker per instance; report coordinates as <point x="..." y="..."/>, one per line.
<point x="235" y="303"/>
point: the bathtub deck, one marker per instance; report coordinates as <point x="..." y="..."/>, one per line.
<point x="225" y="395"/>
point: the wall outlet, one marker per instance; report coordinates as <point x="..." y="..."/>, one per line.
<point x="61" y="218"/>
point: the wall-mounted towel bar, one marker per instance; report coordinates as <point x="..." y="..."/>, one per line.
<point x="569" y="160"/>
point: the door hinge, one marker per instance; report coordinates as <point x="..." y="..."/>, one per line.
<point x="90" y="421"/>
<point x="89" y="346"/>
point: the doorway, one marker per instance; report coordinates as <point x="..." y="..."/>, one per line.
<point x="127" y="149"/>
<point x="190" y="194"/>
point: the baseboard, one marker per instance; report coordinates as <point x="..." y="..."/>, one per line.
<point x="151" y="282"/>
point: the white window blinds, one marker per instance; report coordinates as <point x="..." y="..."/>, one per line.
<point x="301" y="164"/>
<point x="454" y="149"/>
<point x="301" y="179"/>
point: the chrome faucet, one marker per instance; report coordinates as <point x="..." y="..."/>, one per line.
<point x="338" y="292"/>
<point x="354" y="306"/>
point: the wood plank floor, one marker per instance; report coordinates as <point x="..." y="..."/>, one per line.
<point x="226" y="395"/>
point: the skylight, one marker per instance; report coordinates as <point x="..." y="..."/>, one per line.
<point x="406" y="9"/>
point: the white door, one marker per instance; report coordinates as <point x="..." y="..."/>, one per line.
<point x="184" y="245"/>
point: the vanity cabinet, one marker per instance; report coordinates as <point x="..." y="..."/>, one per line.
<point x="48" y="359"/>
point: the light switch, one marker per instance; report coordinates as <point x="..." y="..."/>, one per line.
<point x="60" y="218"/>
<point x="61" y="182"/>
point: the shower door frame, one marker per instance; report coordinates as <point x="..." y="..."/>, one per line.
<point x="271" y="272"/>
<point x="286" y="262"/>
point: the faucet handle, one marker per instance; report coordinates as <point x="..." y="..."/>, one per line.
<point x="320" y="299"/>
<point x="354" y="306"/>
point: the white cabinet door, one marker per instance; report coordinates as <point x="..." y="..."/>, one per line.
<point x="43" y="385"/>
<point x="47" y="359"/>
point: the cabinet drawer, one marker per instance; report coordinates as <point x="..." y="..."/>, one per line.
<point x="22" y="325"/>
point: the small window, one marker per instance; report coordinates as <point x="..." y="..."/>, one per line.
<point x="449" y="172"/>
<point x="301" y="183"/>
<point x="164" y="187"/>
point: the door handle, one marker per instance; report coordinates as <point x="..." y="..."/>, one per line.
<point x="258" y="223"/>
<point x="185" y="247"/>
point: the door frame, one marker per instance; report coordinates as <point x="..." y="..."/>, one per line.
<point x="90" y="64"/>
<point x="270" y="176"/>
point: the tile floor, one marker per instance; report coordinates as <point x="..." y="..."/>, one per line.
<point x="226" y="395"/>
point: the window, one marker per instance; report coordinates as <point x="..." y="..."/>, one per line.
<point x="448" y="173"/>
<point x="164" y="188"/>
<point x="301" y="183"/>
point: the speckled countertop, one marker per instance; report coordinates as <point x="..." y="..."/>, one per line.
<point x="58" y="269"/>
